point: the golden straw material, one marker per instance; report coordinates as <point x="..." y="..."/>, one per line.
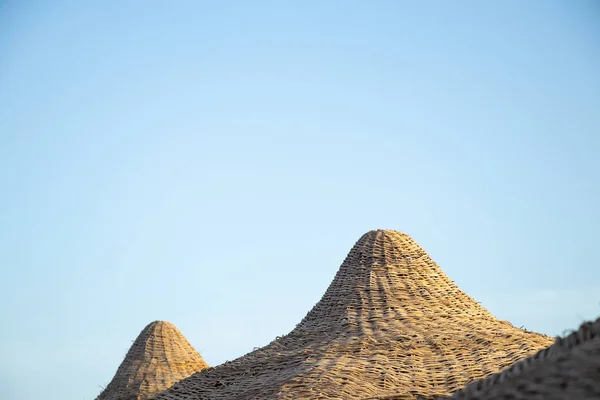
<point x="391" y="322"/>
<point x="159" y="357"/>
<point x="567" y="370"/>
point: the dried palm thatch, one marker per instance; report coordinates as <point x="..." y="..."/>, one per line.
<point x="159" y="357"/>
<point x="567" y="370"/>
<point x="391" y="322"/>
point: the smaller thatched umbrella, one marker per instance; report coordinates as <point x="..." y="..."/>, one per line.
<point x="567" y="370"/>
<point x="159" y="357"/>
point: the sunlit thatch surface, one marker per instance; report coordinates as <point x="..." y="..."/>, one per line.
<point x="391" y="322"/>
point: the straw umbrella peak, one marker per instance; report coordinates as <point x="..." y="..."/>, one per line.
<point x="159" y="357"/>
<point x="390" y="322"/>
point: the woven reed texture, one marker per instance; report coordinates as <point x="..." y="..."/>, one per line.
<point x="391" y="322"/>
<point x="159" y="357"/>
<point x="567" y="370"/>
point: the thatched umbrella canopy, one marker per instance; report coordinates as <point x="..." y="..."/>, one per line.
<point x="159" y="357"/>
<point x="390" y="322"/>
<point x="567" y="370"/>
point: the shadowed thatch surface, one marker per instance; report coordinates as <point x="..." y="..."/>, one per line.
<point x="567" y="370"/>
<point x="159" y="357"/>
<point x="390" y="322"/>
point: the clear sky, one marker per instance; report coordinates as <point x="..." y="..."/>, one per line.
<point x="212" y="163"/>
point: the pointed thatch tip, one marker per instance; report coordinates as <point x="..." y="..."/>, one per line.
<point x="388" y="232"/>
<point x="158" y="358"/>
<point x="159" y="324"/>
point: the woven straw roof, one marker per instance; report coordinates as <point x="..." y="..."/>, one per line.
<point x="159" y="357"/>
<point x="391" y="322"/>
<point x="567" y="370"/>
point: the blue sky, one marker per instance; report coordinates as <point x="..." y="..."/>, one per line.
<point x="212" y="163"/>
